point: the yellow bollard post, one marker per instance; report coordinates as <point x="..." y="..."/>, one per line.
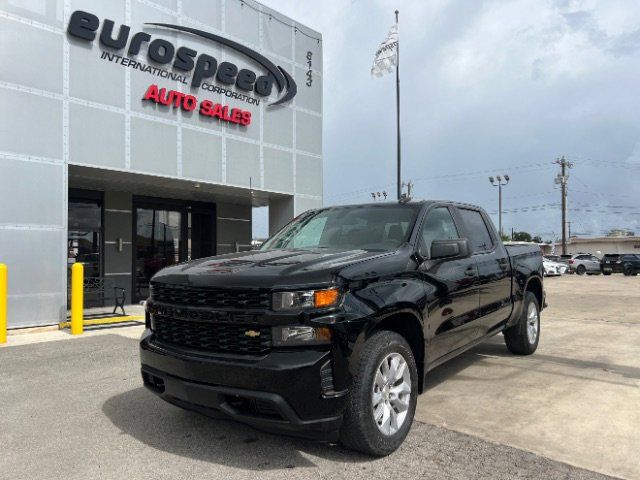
<point x="3" y="302"/>
<point x="77" y="298"/>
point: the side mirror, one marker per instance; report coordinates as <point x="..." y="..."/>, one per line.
<point x="458" y="248"/>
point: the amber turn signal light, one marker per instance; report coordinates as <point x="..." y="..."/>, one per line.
<point x="323" y="334"/>
<point x="326" y="298"/>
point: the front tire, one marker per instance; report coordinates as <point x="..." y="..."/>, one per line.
<point x="581" y="270"/>
<point x="383" y="396"/>
<point x="523" y="337"/>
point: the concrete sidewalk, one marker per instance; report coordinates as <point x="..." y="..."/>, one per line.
<point x="577" y="399"/>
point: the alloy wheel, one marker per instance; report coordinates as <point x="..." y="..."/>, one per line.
<point x="532" y="323"/>
<point x="391" y="393"/>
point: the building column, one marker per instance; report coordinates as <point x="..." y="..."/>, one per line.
<point x="280" y="213"/>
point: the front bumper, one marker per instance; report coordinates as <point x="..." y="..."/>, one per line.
<point x="279" y="392"/>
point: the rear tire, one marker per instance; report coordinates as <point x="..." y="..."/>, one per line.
<point x="606" y="273"/>
<point x="523" y="337"/>
<point x="628" y="271"/>
<point x="581" y="270"/>
<point x="361" y="430"/>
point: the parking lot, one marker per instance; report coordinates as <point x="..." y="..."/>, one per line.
<point x="75" y="408"/>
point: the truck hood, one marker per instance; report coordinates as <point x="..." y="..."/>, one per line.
<point x="266" y="268"/>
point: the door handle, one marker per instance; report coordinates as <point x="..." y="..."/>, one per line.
<point x="470" y="272"/>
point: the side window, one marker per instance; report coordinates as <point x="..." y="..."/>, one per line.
<point x="438" y="226"/>
<point x="479" y="236"/>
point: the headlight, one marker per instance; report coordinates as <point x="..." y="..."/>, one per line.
<point x="292" y="336"/>
<point x="306" y="299"/>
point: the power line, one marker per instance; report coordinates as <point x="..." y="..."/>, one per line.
<point x="606" y="163"/>
<point x="442" y="178"/>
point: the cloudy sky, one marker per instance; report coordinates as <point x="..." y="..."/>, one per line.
<point x="488" y="87"/>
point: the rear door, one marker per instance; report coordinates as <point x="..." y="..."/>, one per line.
<point x="591" y="263"/>
<point x="594" y="263"/>
<point x="451" y="287"/>
<point x="494" y="268"/>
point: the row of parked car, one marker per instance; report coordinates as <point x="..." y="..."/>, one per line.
<point x="586" y="263"/>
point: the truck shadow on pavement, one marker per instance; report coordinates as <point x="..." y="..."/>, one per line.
<point x="493" y="347"/>
<point x="168" y="428"/>
<point x="555" y="365"/>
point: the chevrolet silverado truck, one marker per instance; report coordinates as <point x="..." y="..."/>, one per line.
<point x="329" y="331"/>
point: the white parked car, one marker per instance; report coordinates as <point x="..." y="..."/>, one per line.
<point x="553" y="268"/>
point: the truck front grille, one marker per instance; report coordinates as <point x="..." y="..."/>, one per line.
<point x="211" y="336"/>
<point x="218" y="298"/>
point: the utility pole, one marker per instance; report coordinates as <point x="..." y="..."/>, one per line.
<point x="563" y="178"/>
<point x="497" y="182"/>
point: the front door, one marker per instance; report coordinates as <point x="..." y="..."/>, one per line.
<point x="452" y="289"/>
<point x="159" y="241"/>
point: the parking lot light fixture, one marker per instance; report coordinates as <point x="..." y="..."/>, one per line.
<point x="497" y="182"/>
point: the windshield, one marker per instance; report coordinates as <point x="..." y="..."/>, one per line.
<point x="367" y="227"/>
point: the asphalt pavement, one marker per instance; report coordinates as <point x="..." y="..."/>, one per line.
<point x="75" y="409"/>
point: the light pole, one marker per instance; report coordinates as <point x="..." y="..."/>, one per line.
<point x="497" y="182"/>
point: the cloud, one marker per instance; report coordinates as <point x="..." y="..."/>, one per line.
<point x="492" y="86"/>
<point x="634" y="157"/>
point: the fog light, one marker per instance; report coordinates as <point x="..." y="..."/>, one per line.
<point x="299" y="335"/>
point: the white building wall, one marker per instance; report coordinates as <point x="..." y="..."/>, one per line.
<point x="62" y="104"/>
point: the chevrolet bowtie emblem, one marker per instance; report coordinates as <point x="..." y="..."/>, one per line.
<point x="252" y="333"/>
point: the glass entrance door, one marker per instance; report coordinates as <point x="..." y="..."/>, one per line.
<point x="202" y="233"/>
<point x="84" y="240"/>
<point x="160" y="235"/>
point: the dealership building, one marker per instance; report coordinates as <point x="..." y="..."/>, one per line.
<point x="137" y="134"/>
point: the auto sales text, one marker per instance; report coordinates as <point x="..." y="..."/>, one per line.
<point x="189" y="103"/>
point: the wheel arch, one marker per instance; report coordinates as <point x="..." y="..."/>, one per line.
<point x="534" y="285"/>
<point x="407" y="325"/>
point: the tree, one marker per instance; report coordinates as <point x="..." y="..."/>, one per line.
<point x="522" y="237"/>
<point x="537" y="239"/>
<point x="620" y="232"/>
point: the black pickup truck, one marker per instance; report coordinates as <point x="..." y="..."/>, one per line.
<point x="330" y="329"/>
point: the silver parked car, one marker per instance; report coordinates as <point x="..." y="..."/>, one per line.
<point x="582" y="263"/>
